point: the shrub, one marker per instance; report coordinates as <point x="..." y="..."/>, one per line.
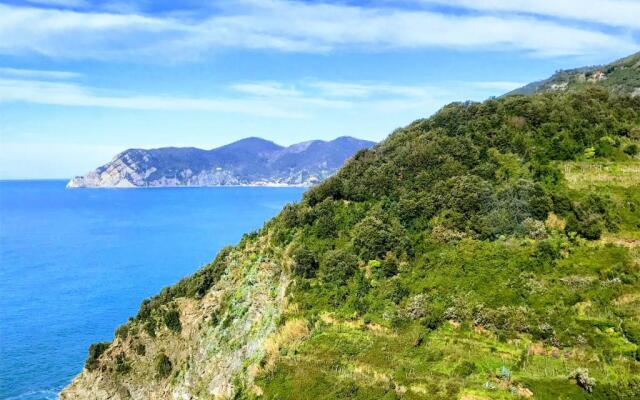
<point x="140" y="349"/>
<point x="582" y="378"/>
<point x="122" y="331"/>
<point x="163" y="365"/>
<point x="305" y="263"/>
<point x="534" y="229"/>
<point x="375" y="236"/>
<point x="150" y="327"/>
<point x="631" y="149"/>
<point x="631" y="331"/>
<point x="338" y="266"/>
<point x="590" y="228"/>
<point x="172" y="320"/>
<point x="122" y="364"/>
<point x="387" y="268"/>
<point x="464" y="369"/>
<point x="95" y="351"/>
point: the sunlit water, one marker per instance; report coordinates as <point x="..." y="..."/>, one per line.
<point x="74" y="264"/>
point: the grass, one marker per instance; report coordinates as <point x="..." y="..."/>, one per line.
<point x="592" y="174"/>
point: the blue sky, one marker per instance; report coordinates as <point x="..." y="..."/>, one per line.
<point x="81" y="80"/>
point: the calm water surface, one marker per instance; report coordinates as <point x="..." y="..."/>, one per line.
<point x="74" y="264"/>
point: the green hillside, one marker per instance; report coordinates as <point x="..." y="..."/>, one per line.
<point x="622" y="77"/>
<point x="491" y="251"/>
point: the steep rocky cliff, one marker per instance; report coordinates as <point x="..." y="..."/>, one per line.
<point x="251" y="161"/>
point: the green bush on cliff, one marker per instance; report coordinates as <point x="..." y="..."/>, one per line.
<point x="172" y="320"/>
<point x="95" y="351"/>
<point x="163" y="365"/>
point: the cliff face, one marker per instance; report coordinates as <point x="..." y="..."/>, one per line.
<point x="212" y="347"/>
<point x="250" y="161"/>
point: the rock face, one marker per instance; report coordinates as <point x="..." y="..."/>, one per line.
<point x="218" y="346"/>
<point x="250" y="161"/>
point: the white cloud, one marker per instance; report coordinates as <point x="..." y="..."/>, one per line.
<point x="293" y="27"/>
<point x="265" y="89"/>
<point x="269" y="99"/>
<point x="70" y="94"/>
<point x="621" y="13"/>
<point x="365" y="89"/>
<point x="37" y="73"/>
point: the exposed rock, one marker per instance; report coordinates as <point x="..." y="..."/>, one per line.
<point x="209" y="356"/>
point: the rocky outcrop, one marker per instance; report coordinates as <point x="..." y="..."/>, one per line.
<point x="249" y="162"/>
<point x="218" y="348"/>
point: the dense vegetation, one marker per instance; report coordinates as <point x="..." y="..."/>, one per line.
<point x="456" y="258"/>
<point x="490" y="251"/>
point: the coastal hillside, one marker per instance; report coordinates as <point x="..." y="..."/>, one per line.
<point x="621" y="76"/>
<point x="491" y="251"/>
<point x="251" y="161"/>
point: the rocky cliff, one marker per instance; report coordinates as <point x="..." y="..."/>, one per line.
<point x="250" y="161"/>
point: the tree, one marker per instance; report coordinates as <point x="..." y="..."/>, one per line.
<point x="305" y="263"/>
<point x="375" y="235"/>
<point x="338" y="266"/>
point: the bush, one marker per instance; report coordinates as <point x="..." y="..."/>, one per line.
<point x="590" y="228"/>
<point x="122" y="331"/>
<point x="534" y="229"/>
<point x="464" y="369"/>
<point x="338" y="266"/>
<point x="631" y="149"/>
<point x="631" y="330"/>
<point x="150" y="327"/>
<point x="140" y="349"/>
<point x="172" y="320"/>
<point x="581" y="375"/>
<point x="95" y="351"/>
<point x="305" y="263"/>
<point x="122" y="364"/>
<point x="375" y="236"/>
<point x="386" y="268"/>
<point x="163" y="365"/>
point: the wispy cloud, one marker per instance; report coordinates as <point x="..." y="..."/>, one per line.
<point x="37" y="73"/>
<point x="266" y="89"/>
<point x="71" y="94"/>
<point x="292" y="26"/>
<point x="620" y="13"/>
<point x="270" y="99"/>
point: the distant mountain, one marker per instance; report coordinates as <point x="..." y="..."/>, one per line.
<point x="250" y="161"/>
<point x="621" y="77"/>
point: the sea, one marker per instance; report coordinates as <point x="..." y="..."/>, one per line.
<point x="76" y="263"/>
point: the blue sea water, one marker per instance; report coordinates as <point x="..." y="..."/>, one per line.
<point x="74" y="264"/>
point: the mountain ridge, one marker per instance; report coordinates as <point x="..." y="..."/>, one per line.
<point x="620" y="76"/>
<point x="250" y="161"/>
